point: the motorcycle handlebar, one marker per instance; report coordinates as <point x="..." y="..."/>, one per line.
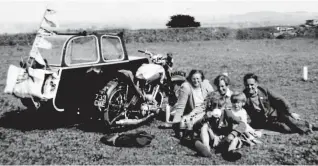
<point x="146" y="52"/>
<point x="154" y="58"/>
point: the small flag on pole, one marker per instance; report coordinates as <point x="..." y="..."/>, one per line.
<point x="34" y="53"/>
<point x="49" y="19"/>
<point x="40" y="42"/>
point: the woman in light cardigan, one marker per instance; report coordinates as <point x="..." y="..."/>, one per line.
<point x="191" y="97"/>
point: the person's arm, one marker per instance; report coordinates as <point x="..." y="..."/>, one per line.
<point x="230" y="117"/>
<point x="240" y="125"/>
<point x="279" y="102"/>
<point x="208" y="86"/>
<point x="183" y="97"/>
<point x="243" y="116"/>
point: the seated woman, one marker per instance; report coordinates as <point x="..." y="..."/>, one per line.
<point x="190" y="99"/>
<point x="222" y="83"/>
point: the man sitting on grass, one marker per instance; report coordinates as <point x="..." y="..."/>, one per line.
<point x="270" y="110"/>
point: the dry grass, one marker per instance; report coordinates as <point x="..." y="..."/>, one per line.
<point x="47" y="138"/>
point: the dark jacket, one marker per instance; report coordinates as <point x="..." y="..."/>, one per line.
<point x="273" y="105"/>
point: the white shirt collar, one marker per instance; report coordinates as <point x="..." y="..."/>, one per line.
<point x="228" y="93"/>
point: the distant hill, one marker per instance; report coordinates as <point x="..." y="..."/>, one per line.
<point x="252" y="19"/>
<point x="259" y="19"/>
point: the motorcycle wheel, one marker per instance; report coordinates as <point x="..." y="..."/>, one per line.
<point x="117" y="98"/>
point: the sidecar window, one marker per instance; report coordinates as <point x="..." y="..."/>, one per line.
<point x="50" y="48"/>
<point x="112" y="48"/>
<point x="82" y="50"/>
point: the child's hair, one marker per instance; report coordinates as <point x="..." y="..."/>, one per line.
<point x="238" y="97"/>
<point x="213" y="100"/>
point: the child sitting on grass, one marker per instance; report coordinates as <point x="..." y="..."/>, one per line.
<point x="241" y="132"/>
<point x="234" y="132"/>
<point x="210" y="125"/>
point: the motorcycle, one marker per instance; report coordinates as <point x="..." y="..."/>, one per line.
<point x="133" y="99"/>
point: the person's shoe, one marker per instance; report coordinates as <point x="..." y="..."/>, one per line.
<point x="109" y="139"/>
<point x="232" y="155"/>
<point x="310" y="128"/>
<point x="202" y="149"/>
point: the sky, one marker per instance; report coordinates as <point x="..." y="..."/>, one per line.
<point x="138" y="13"/>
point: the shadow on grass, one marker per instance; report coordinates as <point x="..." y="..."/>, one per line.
<point x="27" y="120"/>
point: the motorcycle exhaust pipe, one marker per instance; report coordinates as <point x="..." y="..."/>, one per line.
<point x="133" y="121"/>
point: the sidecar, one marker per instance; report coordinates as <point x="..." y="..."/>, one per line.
<point x="79" y="65"/>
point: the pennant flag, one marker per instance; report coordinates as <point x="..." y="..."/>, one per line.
<point x="41" y="42"/>
<point x="49" y="19"/>
<point x="45" y="32"/>
<point x="50" y="11"/>
<point x="34" y="53"/>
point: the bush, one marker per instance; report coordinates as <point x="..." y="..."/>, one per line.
<point x="182" y="21"/>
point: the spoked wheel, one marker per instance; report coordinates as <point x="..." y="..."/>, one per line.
<point x="117" y="101"/>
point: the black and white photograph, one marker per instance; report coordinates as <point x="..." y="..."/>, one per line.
<point x="158" y="82"/>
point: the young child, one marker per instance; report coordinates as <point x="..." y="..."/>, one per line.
<point x="209" y="127"/>
<point x="232" y="134"/>
<point x="238" y="100"/>
<point x="239" y="130"/>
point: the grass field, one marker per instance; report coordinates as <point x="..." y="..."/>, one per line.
<point x="47" y="138"/>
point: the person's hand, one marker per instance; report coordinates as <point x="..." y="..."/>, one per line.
<point x="220" y="125"/>
<point x="216" y="141"/>
<point x="295" y="116"/>
<point x="209" y="114"/>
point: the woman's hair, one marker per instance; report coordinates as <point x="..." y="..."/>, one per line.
<point x="250" y="75"/>
<point x="192" y="72"/>
<point x="238" y="97"/>
<point x="221" y="77"/>
<point x="213" y="100"/>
